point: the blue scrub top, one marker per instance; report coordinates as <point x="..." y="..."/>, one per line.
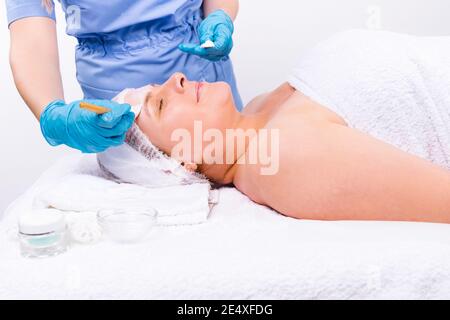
<point x="107" y="16"/>
<point x="131" y="43"/>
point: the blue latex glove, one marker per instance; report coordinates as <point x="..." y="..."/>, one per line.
<point x="217" y="27"/>
<point x="85" y="130"/>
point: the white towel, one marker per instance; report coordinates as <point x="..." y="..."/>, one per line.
<point x="175" y="205"/>
<point x="394" y="87"/>
<point x="82" y="190"/>
<point x="246" y="251"/>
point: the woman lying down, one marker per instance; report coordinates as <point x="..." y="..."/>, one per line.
<point x="361" y="131"/>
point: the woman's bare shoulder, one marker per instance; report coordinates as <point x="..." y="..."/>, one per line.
<point x="305" y="107"/>
<point x="270" y="100"/>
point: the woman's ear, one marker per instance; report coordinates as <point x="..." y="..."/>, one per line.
<point x="189" y="166"/>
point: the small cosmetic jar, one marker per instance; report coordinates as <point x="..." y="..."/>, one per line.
<point x="126" y="226"/>
<point x="42" y="233"/>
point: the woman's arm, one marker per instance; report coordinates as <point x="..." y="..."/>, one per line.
<point x="362" y="178"/>
<point x="338" y="173"/>
<point x="231" y="7"/>
<point x="34" y="62"/>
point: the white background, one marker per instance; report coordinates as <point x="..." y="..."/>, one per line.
<point x="269" y="37"/>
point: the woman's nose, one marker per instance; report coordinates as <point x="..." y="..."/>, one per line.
<point x="179" y="81"/>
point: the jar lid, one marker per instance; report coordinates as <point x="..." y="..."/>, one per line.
<point x="41" y="221"/>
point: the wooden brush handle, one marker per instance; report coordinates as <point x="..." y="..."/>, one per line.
<point x="94" y="108"/>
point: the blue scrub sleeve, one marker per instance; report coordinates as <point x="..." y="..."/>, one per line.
<point x="18" y="9"/>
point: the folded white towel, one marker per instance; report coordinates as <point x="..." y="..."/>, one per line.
<point x="175" y="205"/>
<point x="394" y="87"/>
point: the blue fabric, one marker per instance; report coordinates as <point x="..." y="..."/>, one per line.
<point x="147" y="54"/>
<point x="85" y="130"/>
<point x="18" y="9"/>
<point x="107" y="16"/>
<point x="132" y="43"/>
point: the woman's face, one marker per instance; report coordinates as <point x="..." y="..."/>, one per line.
<point x="179" y="104"/>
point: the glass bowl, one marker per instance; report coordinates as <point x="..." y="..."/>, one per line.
<point x="126" y="226"/>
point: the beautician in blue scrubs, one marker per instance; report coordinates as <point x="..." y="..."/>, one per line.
<point x="121" y="44"/>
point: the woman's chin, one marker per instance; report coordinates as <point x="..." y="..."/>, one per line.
<point x="218" y="96"/>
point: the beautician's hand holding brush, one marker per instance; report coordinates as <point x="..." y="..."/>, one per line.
<point x="91" y="126"/>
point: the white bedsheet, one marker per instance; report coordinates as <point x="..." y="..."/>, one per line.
<point x="244" y="251"/>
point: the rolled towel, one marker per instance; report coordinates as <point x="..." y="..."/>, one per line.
<point x="175" y="205"/>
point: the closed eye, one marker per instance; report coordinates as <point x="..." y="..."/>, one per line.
<point x="161" y="105"/>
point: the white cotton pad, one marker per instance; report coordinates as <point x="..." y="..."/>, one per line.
<point x="83" y="227"/>
<point x="208" y="44"/>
